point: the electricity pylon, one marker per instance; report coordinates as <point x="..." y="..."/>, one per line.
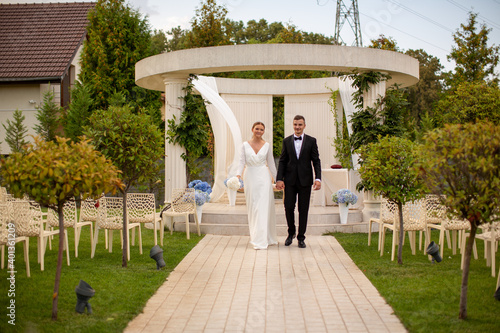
<point x="350" y="15"/>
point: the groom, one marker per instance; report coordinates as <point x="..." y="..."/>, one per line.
<point x="295" y="170"/>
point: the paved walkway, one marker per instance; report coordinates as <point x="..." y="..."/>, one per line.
<point x="224" y="285"/>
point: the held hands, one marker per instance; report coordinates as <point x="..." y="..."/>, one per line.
<point x="281" y="185"/>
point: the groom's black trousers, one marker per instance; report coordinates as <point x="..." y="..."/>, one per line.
<point x="304" y="195"/>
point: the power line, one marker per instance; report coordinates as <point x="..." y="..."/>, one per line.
<point x="465" y="9"/>
<point x="420" y="39"/>
<point x="322" y="4"/>
<point x="420" y="15"/>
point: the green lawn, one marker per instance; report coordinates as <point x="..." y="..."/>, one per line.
<point x="425" y="296"/>
<point x="120" y="293"/>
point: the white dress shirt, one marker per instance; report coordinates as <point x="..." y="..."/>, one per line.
<point x="298" y="144"/>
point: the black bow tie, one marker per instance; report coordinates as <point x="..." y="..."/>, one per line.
<point x="297" y="138"/>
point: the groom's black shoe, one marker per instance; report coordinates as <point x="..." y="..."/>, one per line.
<point x="289" y="239"/>
<point x="302" y="244"/>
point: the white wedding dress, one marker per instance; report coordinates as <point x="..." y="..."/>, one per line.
<point x="260" y="170"/>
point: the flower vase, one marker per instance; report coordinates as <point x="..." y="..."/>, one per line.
<point x="232" y="197"/>
<point x="344" y="212"/>
<point x="199" y="211"/>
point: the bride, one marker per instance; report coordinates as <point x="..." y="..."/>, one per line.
<point x="257" y="156"/>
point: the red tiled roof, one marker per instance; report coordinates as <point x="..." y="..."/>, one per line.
<point x="40" y="40"/>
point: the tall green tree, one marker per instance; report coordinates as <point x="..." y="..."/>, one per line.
<point x="423" y="96"/>
<point x="470" y="102"/>
<point x="389" y="166"/>
<point x="384" y="118"/>
<point x="52" y="173"/>
<point x="48" y="115"/>
<point x="15" y="132"/>
<point x="474" y="59"/>
<point x="177" y="39"/>
<point x="78" y="112"/>
<point x="159" y="42"/>
<point x="255" y="31"/>
<point x="207" y="26"/>
<point x="133" y="143"/>
<point x="384" y="43"/>
<point x="118" y="37"/>
<point x="461" y="163"/>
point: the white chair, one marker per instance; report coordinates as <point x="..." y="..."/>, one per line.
<point x="183" y="203"/>
<point x="27" y="217"/>
<point x="111" y="218"/>
<point x="89" y="212"/>
<point x="413" y="221"/>
<point x="458" y="228"/>
<point x="7" y="235"/>
<point x="141" y="208"/>
<point x="434" y="214"/>
<point x="70" y="220"/>
<point x="387" y="215"/>
<point x="491" y="237"/>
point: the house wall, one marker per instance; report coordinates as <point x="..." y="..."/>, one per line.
<point x="25" y="97"/>
<point x="77" y="67"/>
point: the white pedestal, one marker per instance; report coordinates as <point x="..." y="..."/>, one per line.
<point x="344" y="212"/>
<point x="232" y="197"/>
<point x="199" y="212"/>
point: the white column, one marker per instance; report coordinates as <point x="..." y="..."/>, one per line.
<point x="175" y="166"/>
<point x="371" y="203"/>
<point x="375" y="91"/>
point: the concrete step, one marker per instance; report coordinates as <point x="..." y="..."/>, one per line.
<point x="222" y="219"/>
<point x="240" y="199"/>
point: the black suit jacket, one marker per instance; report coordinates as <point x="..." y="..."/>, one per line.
<point x="292" y="170"/>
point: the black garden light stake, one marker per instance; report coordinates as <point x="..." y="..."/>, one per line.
<point x="83" y="293"/>
<point x="156" y="253"/>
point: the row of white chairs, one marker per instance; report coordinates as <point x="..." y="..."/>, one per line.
<point x="427" y="214"/>
<point x="24" y="219"/>
<point x="105" y="213"/>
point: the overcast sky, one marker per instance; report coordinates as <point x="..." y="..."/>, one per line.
<point x="422" y="24"/>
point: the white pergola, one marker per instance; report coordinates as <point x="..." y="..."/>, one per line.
<point x="236" y="103"/>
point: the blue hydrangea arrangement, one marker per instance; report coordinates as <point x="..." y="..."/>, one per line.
<point x="344" y="196"/>
<point x="201" y="197"/>
<point x="202" y="191"/>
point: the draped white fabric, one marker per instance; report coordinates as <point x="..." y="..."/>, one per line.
<point x="222" y="118"/>
<point x="220" y="114"/>
<point x="346" y="90"/>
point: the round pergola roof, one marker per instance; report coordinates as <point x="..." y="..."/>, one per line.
<point x="151" y="72"/>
